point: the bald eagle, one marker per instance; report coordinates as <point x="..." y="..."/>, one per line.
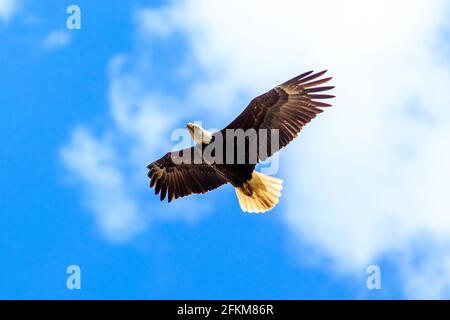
<point x="281" y="113"/>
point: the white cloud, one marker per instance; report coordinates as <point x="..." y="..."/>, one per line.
<point x="156" y="22"/>
<point x="366" y="181"/>
<point x="370" y="174"/>
<point x="111" y="167"/>
<point x="7" y="9"/>
<point x="57" y="39"/>
<point x="95" y="163"/>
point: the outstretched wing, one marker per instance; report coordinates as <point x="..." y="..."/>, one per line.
<point x="287" y="107"/>
<point x="176" y="178"/>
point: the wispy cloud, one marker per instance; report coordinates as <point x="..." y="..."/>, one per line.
<point x="7" y="9"/>
<point x="57" y="39"/>
<point x="111" y="167"/>
<point x="95" y="163"/>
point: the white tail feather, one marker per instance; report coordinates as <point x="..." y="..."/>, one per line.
<point x="260" y="194"/>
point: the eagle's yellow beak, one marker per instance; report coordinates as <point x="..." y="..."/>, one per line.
<point x="190" y="126"/>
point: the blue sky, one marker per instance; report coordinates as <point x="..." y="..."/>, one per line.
<point x="82" y="115"/>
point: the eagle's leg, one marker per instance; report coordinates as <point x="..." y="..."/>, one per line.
<point x="247" y="189"/>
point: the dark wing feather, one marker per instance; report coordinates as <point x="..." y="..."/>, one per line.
<point x="174" y="178"/>
<point x="287" y="107"/>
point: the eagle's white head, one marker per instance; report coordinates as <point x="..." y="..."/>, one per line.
<point x="198" y="134"/>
